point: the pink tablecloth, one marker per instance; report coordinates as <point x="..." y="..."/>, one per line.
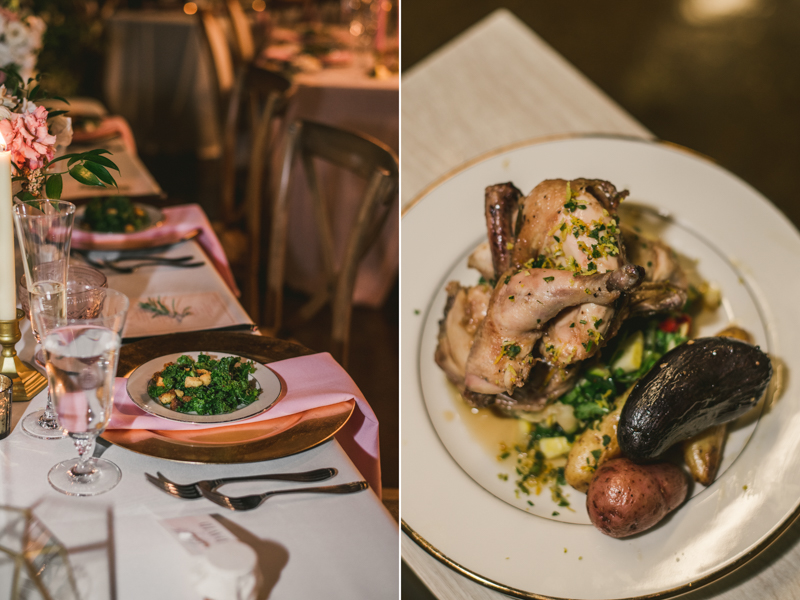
<point x="179" y="221"/>
<point x="310" y="381"/>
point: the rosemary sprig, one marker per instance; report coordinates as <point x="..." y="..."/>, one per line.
<point x="159" y="309"/>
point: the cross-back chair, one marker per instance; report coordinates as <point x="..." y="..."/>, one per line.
<point x="249" y="99"/>
<point x="244" y="46"/>
<point x="369" y="159"/>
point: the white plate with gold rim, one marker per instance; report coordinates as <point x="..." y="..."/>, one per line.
<point x="455" y="505"/>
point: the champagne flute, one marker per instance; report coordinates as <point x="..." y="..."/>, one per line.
<point x="44" y="231"/>
<point x="81" y="358"/>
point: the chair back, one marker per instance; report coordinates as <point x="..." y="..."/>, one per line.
<point x="220" y="52"/>
<point x="242" y="33"/>
<point x="367" y="158"/>
<point x="267" y="93"/>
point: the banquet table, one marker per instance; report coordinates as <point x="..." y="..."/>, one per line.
<point x="119" y="543"/>
<point x="497" y="85"/>
<point x="158" y="77"/>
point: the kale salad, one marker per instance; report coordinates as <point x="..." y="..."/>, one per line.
<point x="115" y="214"/>
<point x="205" y="386"/>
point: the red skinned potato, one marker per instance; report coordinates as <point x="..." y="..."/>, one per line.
<point x="626" y="498"/>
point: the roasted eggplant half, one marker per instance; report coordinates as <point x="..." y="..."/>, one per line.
<point x="699" y="384"/>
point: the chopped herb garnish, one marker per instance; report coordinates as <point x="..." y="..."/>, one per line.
<point x="582" y="322"/>
<point x="572" y="324"/>
<point x="556" y="513"/>
<point x="502" y="477"/>
<point x="549" y="279"/>
<point x="606" y="440"/>
<point x="556" y="238"/>
<point x="588" y="345"/>
<point x="596" y="454"/>
<point x="416" y="311"/>
<point x="511" y="298"/>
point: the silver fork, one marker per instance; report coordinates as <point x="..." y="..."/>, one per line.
<point x="251" y="502"/>
<point x="190" y="491"/>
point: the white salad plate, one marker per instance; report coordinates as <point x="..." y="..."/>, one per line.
<point x="264" y="379"/>
<point x="456" y="503"/>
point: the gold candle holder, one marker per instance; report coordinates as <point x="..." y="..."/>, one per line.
<point x="27" y="381"/>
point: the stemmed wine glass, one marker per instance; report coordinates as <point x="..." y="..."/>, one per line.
<point x="44" y="231"/>
<point x="81" y="358"/>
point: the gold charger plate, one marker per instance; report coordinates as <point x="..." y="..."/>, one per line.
<point x="249" y="442"/>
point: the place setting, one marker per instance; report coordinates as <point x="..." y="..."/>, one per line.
<point x="144" y="411"/>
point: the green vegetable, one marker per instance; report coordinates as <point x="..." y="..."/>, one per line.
<point x="230" y="387"/>
<point x="115" y="214"/>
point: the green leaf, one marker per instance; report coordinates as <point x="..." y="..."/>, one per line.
<point x="85" y="176"/>
<point x="63" y="157"/>
<point x="75" y="158"/>
<point x="56" y="113"/>
<point x="98" y="151"/>
<point x="101" y="172"/>
<point x="102" y="160"/>
<point x="35" y="93"/>
<point x="54" y="186"/>
<point x="60" y="98"/>
<point x="25" y="196"/>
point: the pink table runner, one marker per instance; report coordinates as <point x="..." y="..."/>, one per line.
<point x="310" y="382"/>
<point x="179" y="221"/>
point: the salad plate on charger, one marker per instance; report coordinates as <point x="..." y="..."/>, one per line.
<point x="263" y="379"/>
<point x="459" y="499"/>
<point x="229" y="442"/>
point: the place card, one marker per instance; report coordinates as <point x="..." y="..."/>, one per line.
<point x="197" y="533"/>
<point x="160" y="314"/>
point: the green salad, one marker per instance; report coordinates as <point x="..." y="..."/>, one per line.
<point x="115" y="214"/>
<point x="205" y="386"/>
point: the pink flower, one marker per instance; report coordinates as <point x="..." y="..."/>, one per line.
<point x="27" y="138"/>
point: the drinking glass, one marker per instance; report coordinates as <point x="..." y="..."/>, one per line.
<point x="81" y="357"/>
<point x="44" y="231"/>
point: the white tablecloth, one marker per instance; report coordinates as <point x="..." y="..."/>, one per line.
<point x="157" y="76"/>
<point x="308" y="546"/>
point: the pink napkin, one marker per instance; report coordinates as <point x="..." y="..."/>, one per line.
<point x="310" y="381"/>
<point x="110" y="125"/>
<point x="178" y="222"/>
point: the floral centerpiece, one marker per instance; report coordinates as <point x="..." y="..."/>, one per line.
<point x="34" y="136"/>
<point x="20" y="42"/>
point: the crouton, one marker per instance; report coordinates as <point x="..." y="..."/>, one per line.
<point x="167" y="397"/>
<point x="192" y="382"/>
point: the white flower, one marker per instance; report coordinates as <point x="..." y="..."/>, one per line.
<point x="17" y="35"/>
<point x="61" y="127"/>
<point x="7" y="100"/>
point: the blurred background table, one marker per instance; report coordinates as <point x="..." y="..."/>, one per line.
<point x="498" y="84"/>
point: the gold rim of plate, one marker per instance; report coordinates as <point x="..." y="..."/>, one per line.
<point x="229" y="444"/>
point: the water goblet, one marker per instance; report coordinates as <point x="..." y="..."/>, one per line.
<point x="81" y="358"/>
<point x="44" y="231"/>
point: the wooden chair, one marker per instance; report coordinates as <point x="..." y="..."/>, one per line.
<point x="269" y="94"/>
<point x="245" y="46"/>
<point x="250" y="99"/>
<point x="367" y="158"/>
